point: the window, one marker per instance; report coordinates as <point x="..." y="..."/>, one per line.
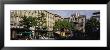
<point x="82" y="19"/>
<point x="76" y="19"/>
<point x="81" y="25"/>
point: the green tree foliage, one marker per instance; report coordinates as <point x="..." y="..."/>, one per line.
<point x="93" y="28"/>
<point x="41" y="20"/>
<point x="63" y="24"/>
<point x="28" y="22"/>
<point x="92" y="25"/>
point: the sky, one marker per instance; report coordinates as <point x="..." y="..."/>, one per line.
<point x="67" y="13"/>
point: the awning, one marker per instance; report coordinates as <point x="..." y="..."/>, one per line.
<point x="26" y="33"/>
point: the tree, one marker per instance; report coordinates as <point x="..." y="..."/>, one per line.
<point x="41" y="19"/>
<point x="93" y="28"/>
<point x="28" y="22"/>
<point x="72" y="24"/>
<point x="63" y="24"/>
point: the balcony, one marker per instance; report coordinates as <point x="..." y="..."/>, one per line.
<point x="75" y="22"/>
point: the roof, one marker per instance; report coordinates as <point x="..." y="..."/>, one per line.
<point x="67" y="18"/>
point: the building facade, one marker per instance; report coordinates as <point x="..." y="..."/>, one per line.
<point x="79" y="21"/>
<point x="17" y="14"/>
<point x="57" y="17"/>
<point x="15" y="18"/>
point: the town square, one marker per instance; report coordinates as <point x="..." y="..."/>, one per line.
<point x="55" y="24"/>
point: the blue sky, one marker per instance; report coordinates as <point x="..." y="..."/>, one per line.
<point x="67" y="13"/>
